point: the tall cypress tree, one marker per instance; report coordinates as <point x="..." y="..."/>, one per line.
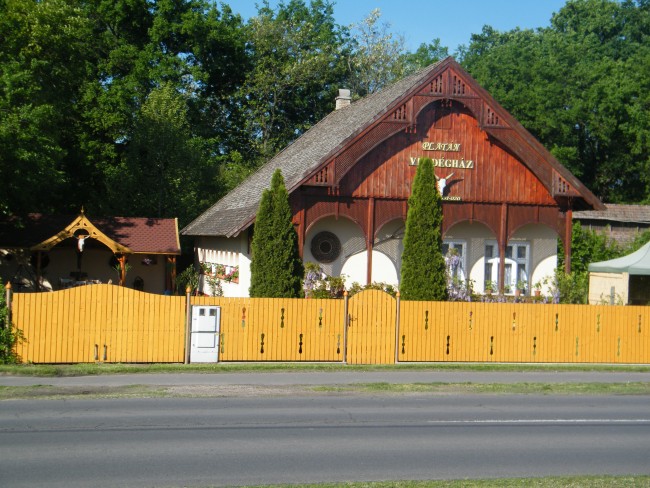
<point x="276" y="267"/>
<point x="423" y="265"/>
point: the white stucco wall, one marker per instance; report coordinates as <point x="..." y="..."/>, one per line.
<point x="352" y="261"/>
<point x="229" y="252"/>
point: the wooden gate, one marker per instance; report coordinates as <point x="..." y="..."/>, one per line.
<point x="371" y="328"/>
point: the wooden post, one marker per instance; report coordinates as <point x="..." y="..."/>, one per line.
<point x="170" y="274"/>
<point x="370" y="238"/>
<point x="122" y="261"/>
<point x="188" y="324"/>
<point x="9" y="292"/>
<point x="346" y="324"/>
<point x="503" y="242"/>
<point x="568" y="237"/>
<point x="397" y="329"/>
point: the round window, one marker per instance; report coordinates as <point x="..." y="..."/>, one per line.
<point x="325" y="247"/>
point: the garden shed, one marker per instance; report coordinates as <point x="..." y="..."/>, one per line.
<point x="625" y="279"/>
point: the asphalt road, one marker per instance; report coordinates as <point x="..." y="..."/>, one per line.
<point x="174" y="442"/>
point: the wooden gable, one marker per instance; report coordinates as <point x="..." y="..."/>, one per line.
<point x="451" y="119"/>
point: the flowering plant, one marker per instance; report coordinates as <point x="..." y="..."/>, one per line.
<point x="317" y="284"/>
<point x="221" y="271"/>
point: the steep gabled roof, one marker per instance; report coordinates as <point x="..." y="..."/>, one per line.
<point x="329" y="137"/>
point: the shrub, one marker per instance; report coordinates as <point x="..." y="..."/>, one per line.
<point x="10" y="336"/>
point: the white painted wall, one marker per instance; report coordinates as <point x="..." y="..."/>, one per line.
<point x="353" y="259"/>
<point x="386" y="259"/>
<point x="229" y="252"/>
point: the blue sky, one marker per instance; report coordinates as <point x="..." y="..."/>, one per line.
<point x="423" y="20"/>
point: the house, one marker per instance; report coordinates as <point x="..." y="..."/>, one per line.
<point x="506" y="199"/>
<point x="48" y="252"/>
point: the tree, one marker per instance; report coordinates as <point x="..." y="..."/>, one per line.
<point x="297" y="62"/>
<point x="45" y="58"/>
<point x="276" y="267"/>
<point x="424" y="272"/>
<point x="164" y="169"/>
<point x="581" y="87"/>
<point x="425" y="55"/>
<point x="378" y="56"/>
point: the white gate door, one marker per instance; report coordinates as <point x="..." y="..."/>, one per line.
<point x="206" y="323"/>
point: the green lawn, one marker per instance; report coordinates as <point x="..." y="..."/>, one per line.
<point x="103" y="368"/>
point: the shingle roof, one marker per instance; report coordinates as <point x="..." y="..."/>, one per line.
<point x="140" y="234"/>
<point x="639" y="214"/>
<point x="297" y="160"/>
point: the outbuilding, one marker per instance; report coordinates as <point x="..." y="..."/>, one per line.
<point x="53" y="252"/>
<point x="621" y="281"/>
<point x="506" y="199"/>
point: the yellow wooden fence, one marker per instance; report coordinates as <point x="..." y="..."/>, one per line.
<point x="106" y="323"/>
<point x="276" y="329"/>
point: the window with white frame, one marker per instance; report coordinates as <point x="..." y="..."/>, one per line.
<point x="517" y="266"/>
<point x="455" y="255"/>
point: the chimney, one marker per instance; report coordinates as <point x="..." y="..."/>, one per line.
<point x="343" y="100"/>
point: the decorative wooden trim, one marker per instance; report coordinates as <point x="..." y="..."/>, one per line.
<point x="82" y="223"/>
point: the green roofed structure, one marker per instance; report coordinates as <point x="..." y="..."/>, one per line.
<point x="625" y="279"/>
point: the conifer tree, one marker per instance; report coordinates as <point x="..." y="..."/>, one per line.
<point x="276" y="267"/>
<point x="423" y="265"/>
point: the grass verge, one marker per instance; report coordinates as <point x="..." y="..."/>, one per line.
<point x="85" y="369"/>
<point x="195" y="391"/>
<point x="549" y="482"/>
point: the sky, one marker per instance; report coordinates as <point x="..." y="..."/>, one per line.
<point x="453" y="22"/>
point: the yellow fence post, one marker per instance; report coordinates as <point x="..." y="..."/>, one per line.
<point x="188" y="322"/>
<point x="397" y="328"/>
<point x="346" y="324"/>
<point x="8" y="302"/>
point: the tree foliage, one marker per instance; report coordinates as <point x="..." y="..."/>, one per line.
<point x="276" y="268"/>
<point x="84" y="87"/>
<point x="581" y="87"/>
<point x="297" y="65"/>
<point x="424" y="272"/>
<point x="378" y="56"/>
<point x="588" y="246"/>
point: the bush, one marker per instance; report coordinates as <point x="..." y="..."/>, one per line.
<point x="9" y="335"/>
<point x="319" y="285"/>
